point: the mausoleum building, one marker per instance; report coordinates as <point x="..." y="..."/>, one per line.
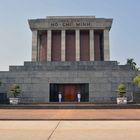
<point x="70" y="39"/>
<point x="70" y="60"/>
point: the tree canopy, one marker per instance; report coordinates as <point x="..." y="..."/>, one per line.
<point x="130" y="61"/>
<point x="136" y="80"/>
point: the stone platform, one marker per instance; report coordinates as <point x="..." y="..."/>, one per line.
<point x="70" y="106"/>
<point x="102" y="78"/>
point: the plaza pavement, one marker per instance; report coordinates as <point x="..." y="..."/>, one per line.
<point x="69" y="130"/>
<point x="69" y="124"/>
<point x="69" y="114"/>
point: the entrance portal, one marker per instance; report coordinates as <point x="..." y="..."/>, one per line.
<point x="69" y="92"/>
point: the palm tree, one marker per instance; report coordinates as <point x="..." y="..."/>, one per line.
<point x="130" y="61"/>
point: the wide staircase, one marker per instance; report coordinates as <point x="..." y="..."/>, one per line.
<point x="69" y="105"/>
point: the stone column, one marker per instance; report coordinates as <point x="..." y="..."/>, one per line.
<point x="77" y="38"/>
<point x="34" y="45"/>
<point x="91" y="45"/>
<point x="63" y="44"/>
<point x="49" y="44"/>
<point x="38" y="49"/>
<point x="106" y="46"/>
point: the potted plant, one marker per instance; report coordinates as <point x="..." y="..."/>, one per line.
<point x="15" y="91"/>
<point x="121" y="99"/>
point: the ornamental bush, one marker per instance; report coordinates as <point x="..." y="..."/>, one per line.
<point x="136" y="81"/>
<point x="121" y="89"/>
<point x="15" y="90"/>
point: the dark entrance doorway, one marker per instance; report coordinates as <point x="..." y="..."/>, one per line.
<point x="69" y="92"/>
<point x="3" y="98"/>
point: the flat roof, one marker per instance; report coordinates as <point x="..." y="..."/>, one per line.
<point x="70" y="22"/>
<point x="67" y="17"/>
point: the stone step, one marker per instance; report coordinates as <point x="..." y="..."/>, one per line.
<point x="80" y="65"/>
<point x="69" y="106"/>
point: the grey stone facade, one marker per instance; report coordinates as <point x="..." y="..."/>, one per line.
<point x="69" y="23"/>
<point x="35" y="78"/>
<point x="102" y="77"/>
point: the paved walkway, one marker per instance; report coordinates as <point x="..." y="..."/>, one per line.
<point x="69" y="114"/>
<point x="69" y="130"/>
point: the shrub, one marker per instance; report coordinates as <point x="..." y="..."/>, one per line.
<point x="121" y="89"/>
<point x="136" y="81"/>
<point x="15" y="90"/>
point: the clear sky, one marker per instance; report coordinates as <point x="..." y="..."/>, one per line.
<point x="15" y="35"/>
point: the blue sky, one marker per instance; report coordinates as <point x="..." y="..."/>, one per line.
<point x="15" y="35"/>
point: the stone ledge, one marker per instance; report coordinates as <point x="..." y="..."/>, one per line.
<point x="61" y="66"/>
<point x="73" y="23"/>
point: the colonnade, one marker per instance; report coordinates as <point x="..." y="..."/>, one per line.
<point x="35" y="45"/>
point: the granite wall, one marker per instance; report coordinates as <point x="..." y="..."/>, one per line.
<point x="34" y="79"/>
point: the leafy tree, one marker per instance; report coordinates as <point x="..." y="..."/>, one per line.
<point x="130" y="61"/>
<point x="15" y="90"/>
<point x="136" y="80"/>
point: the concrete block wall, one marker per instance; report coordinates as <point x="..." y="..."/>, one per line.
<point x="34" y="79"/>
